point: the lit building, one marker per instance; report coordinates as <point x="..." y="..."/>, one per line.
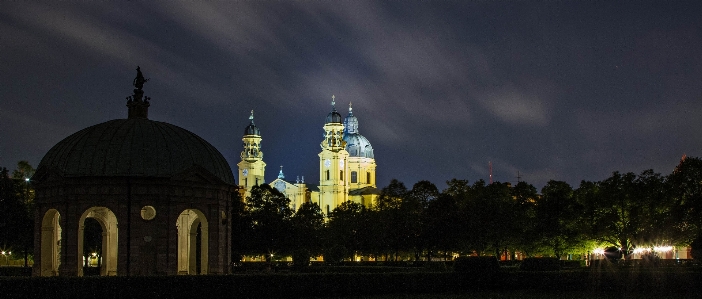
<point x="346" y="166"/>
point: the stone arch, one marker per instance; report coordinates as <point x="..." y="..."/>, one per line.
<point x="108" y="222"/>
<point x="50" y="243"/>
<point x="187" y="224"/>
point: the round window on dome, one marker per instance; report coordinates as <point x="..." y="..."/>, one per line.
<point x="148" y="213"/>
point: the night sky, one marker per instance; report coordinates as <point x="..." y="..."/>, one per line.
<point x="559" y="90"/>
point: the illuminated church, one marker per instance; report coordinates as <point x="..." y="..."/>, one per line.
<point x="346" y="166"/>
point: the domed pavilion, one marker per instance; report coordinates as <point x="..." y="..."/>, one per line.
<point x="161" y="194"/>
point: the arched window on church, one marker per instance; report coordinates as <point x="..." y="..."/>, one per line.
<point x="368" y="178"/>
<point x="354" y="177"/>
<point x="327" y="175"/>
<point x="327" y="210"/>
<point x="341" y="175"/>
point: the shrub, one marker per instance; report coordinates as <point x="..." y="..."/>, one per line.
<point x="334" y="254"/>
<point x="467" y="264"/>
<point x="696" y="248"/>
<point x="301" y="258"/>
<point x="540" y="264"/>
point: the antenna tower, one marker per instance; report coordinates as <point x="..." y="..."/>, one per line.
<point x="490" y="166"/>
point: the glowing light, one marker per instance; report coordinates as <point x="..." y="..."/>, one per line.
<point x="26" y="179"/>
<point x="641" y="250"/>
<point x="598" y="251"/>
<point x="663" y="248"/>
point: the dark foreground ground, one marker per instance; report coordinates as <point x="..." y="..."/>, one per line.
<point x="577" y="283"/>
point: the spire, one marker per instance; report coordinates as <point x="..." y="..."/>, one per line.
<point x="281" y="175"/>
<point x="251" y="117"/>
<point x="350" y="109"/>
<point x="333" y="103"/>
<point x="137" y="104"/>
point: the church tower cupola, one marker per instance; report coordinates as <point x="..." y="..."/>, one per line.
<point x="252" y="142"/>
<point x="334" y="116"/>
<point x="333" y="131"/>
<point x="137" y="104"/>
<point x="350" y="122"/>
<point x="251" y="129"/>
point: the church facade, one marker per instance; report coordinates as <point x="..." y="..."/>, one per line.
<point x="346" y="166"/>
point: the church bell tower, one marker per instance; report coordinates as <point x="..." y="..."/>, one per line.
<point x="333" y="166"/>
<point x="251" y="167"/>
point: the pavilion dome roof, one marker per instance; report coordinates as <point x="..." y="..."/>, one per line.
<point x="134" y="147"/>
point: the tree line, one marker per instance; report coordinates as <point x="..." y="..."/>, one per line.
<point x="17" y="212"/>
<point x="625" y="210"/>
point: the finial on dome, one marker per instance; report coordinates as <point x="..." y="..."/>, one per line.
<point x="350" y="108"/>
<point x="251" y="117"/>
<point x="139" y="80"/>
<point x="281" y="175"/>
<point x="137" y="104"/>
<point x="333" y="103"/>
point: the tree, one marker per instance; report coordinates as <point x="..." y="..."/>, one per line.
<point x="488" y="211"/>
<point x="17" y="199"/>
<point x="631" y="211"/>
<point x="684" y="188"/>
<point x="440" y="230"/>
<point x="398" y="216"/>
<point x="392" y="195"/>
<point x="269" y="212"/>
<point x="526" y="219"/>
<point x="24" y="170"/>
<point x="558" y="215"/>
<point x="307" y="225"/>
<point x="345" y="230"/>
<point x="423" y="192"/>
<point x="242" y="228"/>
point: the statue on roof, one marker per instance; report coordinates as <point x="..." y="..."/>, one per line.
<point x="139" y="80"/>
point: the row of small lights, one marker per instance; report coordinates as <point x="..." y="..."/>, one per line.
<point x="640" y="250"/>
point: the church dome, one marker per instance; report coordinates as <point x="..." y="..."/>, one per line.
<point x="356" y="144"/>
<point x="136" y="147"/>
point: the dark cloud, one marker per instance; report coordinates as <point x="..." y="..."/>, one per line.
<point x="565" y="91"/>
